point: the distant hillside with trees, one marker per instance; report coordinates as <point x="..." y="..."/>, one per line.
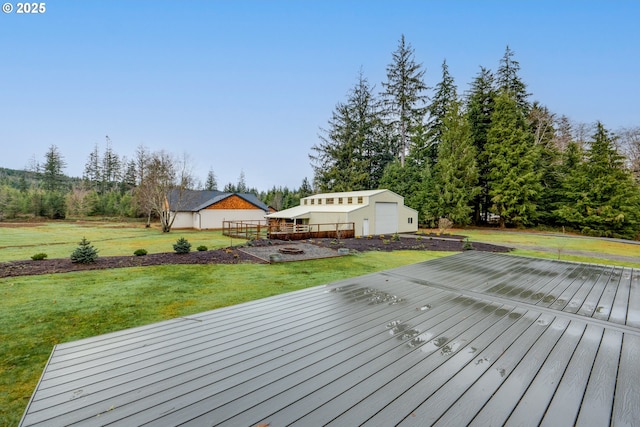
<point x="114" y="187"/>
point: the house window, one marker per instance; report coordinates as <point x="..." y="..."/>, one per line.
<point x="330" y="201"/>
<point x="349" y="200"/>
<point x="312" y="201"/>
<point x="339" y="200"/>
<point x="410" y="220"/>
<point x="360" y="200"/>
<point x="319" y="201"/>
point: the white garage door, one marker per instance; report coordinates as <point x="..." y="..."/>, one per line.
<point x="386" y="218"/>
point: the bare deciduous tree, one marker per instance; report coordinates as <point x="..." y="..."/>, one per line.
<point x="164" y="185"/>
<point x="629" y="139"/>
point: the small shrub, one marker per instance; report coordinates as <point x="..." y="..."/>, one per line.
<point x="467" y="245"/>
<point x="202" y="248"/>
<point x="84" y="253"/>
<point x="395" y="237"/>
<point x="39" y="256"/>
<point x="386" y="241"/>
<point x="140" y="252"/>
<point x="182" y="246"/>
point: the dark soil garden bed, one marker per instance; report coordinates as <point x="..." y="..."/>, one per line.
<point x="235" y="256"/>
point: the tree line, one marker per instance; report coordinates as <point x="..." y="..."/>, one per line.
<point x="114" y="186"/>
<point x="489" y="154"/>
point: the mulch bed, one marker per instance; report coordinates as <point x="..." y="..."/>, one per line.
<point x="237" y="255"/>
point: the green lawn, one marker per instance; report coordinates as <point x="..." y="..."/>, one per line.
<point x="37" y="312"/>
<point x="59" y="239"/>
<point x="559" y="246"/>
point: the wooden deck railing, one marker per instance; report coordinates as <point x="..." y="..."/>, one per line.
<point x="335" y="230"/>
<point x="260" y="229"/>
<point x="250" y="229"/>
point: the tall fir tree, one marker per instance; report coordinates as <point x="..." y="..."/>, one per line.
<point x="211" y="182"/>
<point x="445" y="94"/>
<point x="541" y="123"/>
<point x="305" y="188"/>
<point x="513" y="181"/>
<point x="93" y="169"/>
<point x="480" y="105"/>
<point x="404" y="97"/>
<point x="600" y="195"/>
<point x="456" y="172"/>
<point x="111" y="167"/>
<point x="52" y="169"/>
<point x="508" y="80"/>
<point x="353" y="150"/>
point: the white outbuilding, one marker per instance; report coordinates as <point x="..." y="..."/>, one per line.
<point x="371" y="212"/>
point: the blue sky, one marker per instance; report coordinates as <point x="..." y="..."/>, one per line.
<point x="245" y="86"/>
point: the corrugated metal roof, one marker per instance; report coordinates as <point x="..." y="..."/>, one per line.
<point x="477" y="338"/>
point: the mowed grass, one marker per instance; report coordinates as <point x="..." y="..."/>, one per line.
<point x="59" y="239"/>
<point x="38" y="312"/>
<point x="565" y="247"/>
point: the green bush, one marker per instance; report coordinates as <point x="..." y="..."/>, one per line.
<point x="182" y="246"/>
<point x="202" y="248"/>
<point x="39" y="256"/>
<point x="140" y="252"/>
<point x="467" y="245"/>
<point x="84" y="253"/>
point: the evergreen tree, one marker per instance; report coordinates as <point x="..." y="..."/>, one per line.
<point x="415" y="184"/>
<point x="456" y="172"/>
<point x="445" y="94"/>
<point x="509" y="81"/>
<point x="305" y="189"/>
<point x="601" y="197"/>
<point x="514" y="183"/>
<point x="480" y="106"/>
<point x="110" y="167"/>
<point x="129" y="177"/>
<point x="85" y="253"/>
<point x="353" y="152"/>
<point x="52" y="174"/>
<point x="241" y="187"/>
<point x="92" y="169"/>
<point x="404" y="96"/>
<point x="541" y="123"/>
<point x="211" y="183"/>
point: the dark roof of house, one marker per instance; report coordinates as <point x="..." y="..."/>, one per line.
<point x="478" y="338"/>
<point x="195" y="200"/>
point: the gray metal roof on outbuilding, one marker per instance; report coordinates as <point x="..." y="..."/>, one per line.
<point x="474" y="338"/>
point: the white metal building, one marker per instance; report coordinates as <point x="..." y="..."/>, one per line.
<point x="374" y="212"/>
